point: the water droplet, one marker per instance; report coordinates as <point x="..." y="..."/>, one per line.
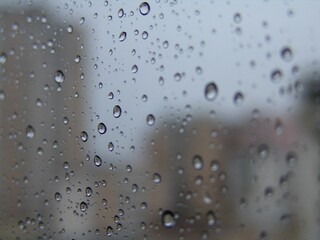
<point x="145" y="35"/>
<point x="77" y="59"/>
<point x="69" y="29"/>
<point x="134" y="69"/>
<point x="102" y="128"/>
<point x="3" y="58"/>
<point x="238" y="98"/>
<point x="59" y="77"/>
<point x="278" y="127"/>
<point x="211" y="218"/>
<point x="110" y="146"/>
<point x="211" y="91"/>
<point x="237" y="18"/>
<point x="30" y="132"/>
<point x="122" y="36"/>
<point x="168" y="220"/>
<point x="58" y="197"/>
<point x="144" y="98"/>
<point x="286" y="54"/>
<point x="156" y="178"/>
<point x="88" y="192"/>
<point x="83" y="206"/>
<point x="117" y="111"/>
<point x="129" y="168"/>
<point x="84" y="136"/>
<point x="197" y="162"/>
<point x="120" y="13"/>
<point x="109" y="231"/>
<point x="177" y="77"/>
<point x="144" y="8"/>
<point x="97" y="161"/>
<point x="276" y="75"/>
<point x="291" y="159"/>
<point x="150" y="120"/>
<point x="263" y="151"/>
<point x="214" y="165"/>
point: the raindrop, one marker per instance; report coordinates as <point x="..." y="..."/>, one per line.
<point x="286" y="54"/>
<point x="122" y="36"/>
<point x="83" y="206"/>
<point x="237" y="18"/>
<point x="30" y="132"/>
<point x="88" y="192"/>
<point x="120" y="13"/>
<point x="276" y="75"/>
<point x="134" y="69"/>
<point x="238" y="98"/>
<point x="110" y="146"/>
<point x="59" y="77"/>
<point x="145" y="35"/>
<point x="211" y="91"/>
<point x="214" y="165"/>
<point x="197" y="162"/>
<point x="144" y="8"/>
<point x="291" y="159"/>
<point x="84" y="136"/>
<point x="117" y="111"/>
<point x="77" y="59"/>
<point x="211" y="218"/>
<point x="2" y="95"/>
<point x="3" y="58"/>
<point x="177" y="77"/>
<point x="168" y="220"/>
<point x="58" y="197"/>
<point x="150" y="120"/>
<point x="102" y="128"/>
<point x="263" y="151"/>
<point x="97" y="161"/>
<point x="156" y="178"/>
<point x="69" y="29"/>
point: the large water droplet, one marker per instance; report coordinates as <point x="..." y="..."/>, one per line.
<point x="211" y="91"/>
<point x="150" y="120"/>
<point x="156" y="178"/>
<point x="168" y="220"/>
<point x="122" y="36"/>
<point x="102" y="128"/>
<point x="97" y="161"/>
<point x="144" y="8"/>
<point x="117" y="111"/>
<point x="83" y="136"/>
<point x="197" y="162"/>
<point x="59" y="77"/>
<point x="30" y="132"/>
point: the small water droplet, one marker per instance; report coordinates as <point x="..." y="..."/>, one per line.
<point x="122" y="36"/>
<point x="144" y="8"/>
<point x="134" y="69"/>
<point x="237" y="17"/>
<point x="30" y="132"/>
<point x="59" y="76"/>
<point x="83" y="206"/>
<point x="263" y="151"/>
<point x="102" y="128"/>
<point x="77" y="59"/>
<point x="117" y="111"/>
<point x="3" y="58"/>
<point x="211" y="218"/>
<point x="88" y="192"/>
<point x="58" y="197"/>
<point x="156" y="178"/>
<point x="238" y="98"/>
<point x="150" y="120"/>
<point x="110" y="146"/>
<point x="211" y="91"/>
<point x="286" y="54"/>
<point x="168" y="220"/>
<point x="276" y="75"/>
<point x="97" y="161"/>
<point x="120" y="13"/>
<point x="84" y="136"/>
<point x="145" y="35"/>
<point x="197" y="162"/>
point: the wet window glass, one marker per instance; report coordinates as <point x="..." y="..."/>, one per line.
<point x="160" y="119"/>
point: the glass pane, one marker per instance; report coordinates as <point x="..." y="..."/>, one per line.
<point x="171" y="119"/>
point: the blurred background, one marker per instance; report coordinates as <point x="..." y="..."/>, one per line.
<point x="159" y="119"/>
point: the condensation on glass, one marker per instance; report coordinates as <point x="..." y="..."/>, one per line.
<point x="159" y="119"/>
